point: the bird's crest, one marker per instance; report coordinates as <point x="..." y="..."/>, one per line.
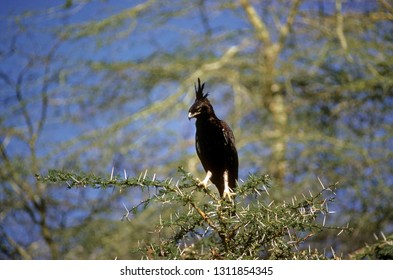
<point x="199" y="91"/>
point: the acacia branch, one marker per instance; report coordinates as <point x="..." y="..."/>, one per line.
<point x="286" y="28"/>
<point x="259" y="26"/>
<point x="340" y="26"/>
<point x="45" y="85"/>
<point x="19" y="96"/>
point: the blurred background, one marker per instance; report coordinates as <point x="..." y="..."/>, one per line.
<point x="307" y="87"/>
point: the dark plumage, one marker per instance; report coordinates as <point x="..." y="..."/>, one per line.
<point x="215" y="145"/>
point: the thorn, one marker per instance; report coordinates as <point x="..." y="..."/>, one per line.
<point x="154" y="178"/>
<point x="324" y="220"/>
<point x="126" y="215"/>
<point x="341" y="231"/>
<point x="383" y="236"/>
<point x="179" y="191"/>
<point x="289" y="234"/>
<point x="266" y="190"/>
<point x="334" y="254"/>
<point x="323" y="187"/>
<point x="144" y="176"/>
<point x="125" y="207"/>
<point x="75" y="179"/>
<point x="333" y="186"/>
<point x="113" y="169"/>
<point x="125" y="174"/>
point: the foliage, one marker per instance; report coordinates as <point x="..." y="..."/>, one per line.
<point x="380" y="250"/>
<point x="205" y="227"/>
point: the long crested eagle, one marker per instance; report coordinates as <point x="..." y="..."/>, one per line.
<point x="215" y="145"/>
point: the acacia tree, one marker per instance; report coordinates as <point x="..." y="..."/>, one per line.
<point x="306" y="86"/>
<point x="204" y="226"/>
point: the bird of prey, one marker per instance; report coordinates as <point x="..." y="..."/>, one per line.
<point x="215" y="145"/>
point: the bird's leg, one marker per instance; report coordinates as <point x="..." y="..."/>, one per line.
<point x="206" y="180"/>
<point x="228" y="192"/>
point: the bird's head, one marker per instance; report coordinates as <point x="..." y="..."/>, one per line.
<point x="201" y="107"/>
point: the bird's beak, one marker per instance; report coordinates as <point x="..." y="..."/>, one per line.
<point x="190" y="115"/>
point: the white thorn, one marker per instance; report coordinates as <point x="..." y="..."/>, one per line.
<point x="324" y="202"/>
<point x="334" y="254"/>
<point x="323" y="187"/>
<point x="266" y="190"/>
<point x="113" y="169"/>
<point x="144" y="176"/>
<point x="383" y="236"/>
<point x="75" y="179"/>
<point x="179" y="190"/>
<point x="125" y="174"/>
<point x="126" y="208"/>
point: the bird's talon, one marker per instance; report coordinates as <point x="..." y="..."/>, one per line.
<point x="228" y="194"/>
<point x="201" y="184"/>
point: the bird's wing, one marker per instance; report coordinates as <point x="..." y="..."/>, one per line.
<point x="233" y="161"/>
<point x="228" y="134"/>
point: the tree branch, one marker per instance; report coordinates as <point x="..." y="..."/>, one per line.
<point x="286" y="28"/>
<point x="259" y="26"/>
